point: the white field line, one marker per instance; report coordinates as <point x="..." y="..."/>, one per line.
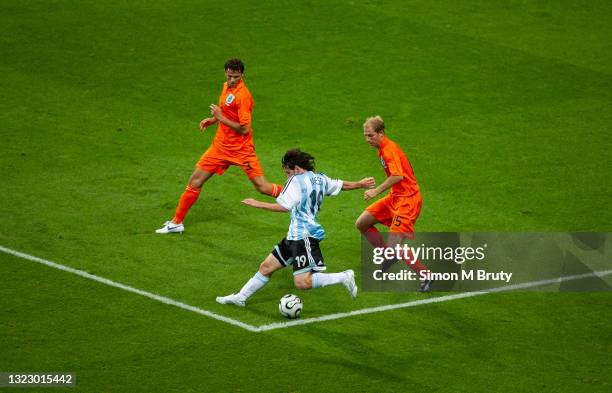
<point x="305" y="321"/>
<point x="437" y="299"/>
<point x="128" y="288"/>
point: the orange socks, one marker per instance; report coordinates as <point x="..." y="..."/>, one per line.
<point x="185" y="202"/>
<point x="417" y="266"/>
<point x="375" y="238"/>
<point x="190" y="196"/>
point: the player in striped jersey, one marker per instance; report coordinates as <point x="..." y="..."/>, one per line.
<point x="303" y="196"/>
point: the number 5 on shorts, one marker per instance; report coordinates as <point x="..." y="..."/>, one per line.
<point x="397" y="221"/>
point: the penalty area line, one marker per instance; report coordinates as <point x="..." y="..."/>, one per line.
<point x="437" y="299"/>
<point x="150" y="295"/>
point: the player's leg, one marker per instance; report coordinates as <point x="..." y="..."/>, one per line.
<point x="366" y="225"/>
<point x="310" y="280"/>
<point x="411" y="261"/>
<point x="187" y="199"/>
<point x="191" y="194"/>
<point x="263" y="186"/>
<point x="402" y="229"/>
<point x="252" y="168"/>
<point x="381" y="212"/>
<point x="308" y="267"/>
<point x="211" y="162"/>
<point x="276" y="260"/>
<point x="255" y="283"/>
<point x="319" y="280"/>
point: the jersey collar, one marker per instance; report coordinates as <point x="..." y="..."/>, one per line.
<point x="235" y="88"/>
<point x="383" y="143"/>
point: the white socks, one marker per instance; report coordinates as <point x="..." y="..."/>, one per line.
<point x="320" y="280"/>
<point x="253" y="285"/>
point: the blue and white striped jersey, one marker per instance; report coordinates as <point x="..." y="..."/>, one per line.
<point x="303" y="194"/>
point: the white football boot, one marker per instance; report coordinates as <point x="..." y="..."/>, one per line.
<point x="170" y="227"/>
<point x="234" y="298"/>
<point x="349" y="283"/>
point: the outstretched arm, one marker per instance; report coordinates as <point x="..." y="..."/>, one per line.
<point x="273" y="207"/>
<point x="384" y="186"/>
<point x="367" y="182"/>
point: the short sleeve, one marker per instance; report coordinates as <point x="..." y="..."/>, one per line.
<point x="291" y="195"/>
<point x="394" y="163"/>
<point x="245" y="109"/>
<point x="334" y="186"/>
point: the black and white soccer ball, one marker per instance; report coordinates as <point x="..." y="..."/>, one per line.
<point x="290" y="306"/>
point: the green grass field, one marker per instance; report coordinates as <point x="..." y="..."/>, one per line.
<point x="504" y="109"/>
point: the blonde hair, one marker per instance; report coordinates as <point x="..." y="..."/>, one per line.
<point x="376" y="122"/>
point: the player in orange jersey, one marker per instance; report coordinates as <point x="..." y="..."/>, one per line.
<point x="233" y="145"/>
<point x="399" y="209"/>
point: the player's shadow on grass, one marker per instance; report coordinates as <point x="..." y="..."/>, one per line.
<point x="364" y="360"/>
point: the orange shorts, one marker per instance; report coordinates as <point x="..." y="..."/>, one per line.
<point x="215" y="160"/>
<point x="399" y="213"/>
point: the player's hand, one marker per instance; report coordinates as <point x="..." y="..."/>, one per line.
<point x="209" y="121"/>
<point x="369" y="194"/>
<point x="250" y="202"/>
<point x="367" y="182"/>
<point x="215" y="111"/>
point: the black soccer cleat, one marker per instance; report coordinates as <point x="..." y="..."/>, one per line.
<point x="386" y="265"/>
<point x="425" y="284"/>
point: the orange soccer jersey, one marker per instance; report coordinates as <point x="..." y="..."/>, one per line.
<point x="237" y="105"/>
<point x="401" y="207"/>
<point x="395" y="163"/>
<point x="230" y="147"/>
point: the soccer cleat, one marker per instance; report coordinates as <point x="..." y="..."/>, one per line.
<point x="424" y="287"/>
<point x="349" y="283"/>
<point x="234" y="298"/>
<point x="388" y="264"/>
<point x="170" y="227"/>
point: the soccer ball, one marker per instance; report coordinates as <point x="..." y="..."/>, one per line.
<point x="290" y="306"/>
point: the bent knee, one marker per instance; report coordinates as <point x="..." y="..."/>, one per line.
<point x="302" y="284"/>
<point x="265" y="269"/>
<point x="361" y="226"/>
<point x="198" y="178"/>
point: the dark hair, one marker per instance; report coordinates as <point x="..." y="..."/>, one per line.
<point x="300" y="158"/>
<point x="234" y="65"/>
